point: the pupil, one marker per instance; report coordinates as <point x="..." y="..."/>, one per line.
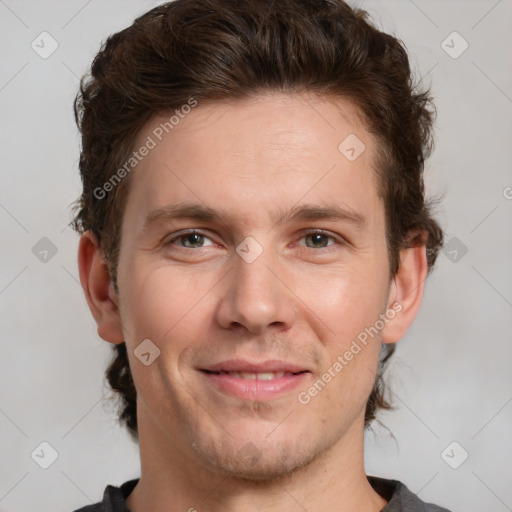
<point x="317" y="238"/>
<point x="195" y="236"/>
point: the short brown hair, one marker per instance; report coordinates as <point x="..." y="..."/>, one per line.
<point x="219" y="49"/>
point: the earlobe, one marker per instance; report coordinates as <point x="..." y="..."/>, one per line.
<point x="406" y="292"/>
<point x="98" y="288"/>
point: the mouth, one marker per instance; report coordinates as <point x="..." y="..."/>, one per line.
<point x="254" y="381"/>
<point x="256" y="375"/>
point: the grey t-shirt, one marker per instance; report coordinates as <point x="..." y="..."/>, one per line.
<point x="400" y="499"/>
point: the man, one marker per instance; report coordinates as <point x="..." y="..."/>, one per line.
<point x="255" y="239"/>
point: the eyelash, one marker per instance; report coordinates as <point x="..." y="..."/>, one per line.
<point x="182" y="234"/>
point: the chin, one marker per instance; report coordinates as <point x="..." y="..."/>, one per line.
<point x="260" y="462"/>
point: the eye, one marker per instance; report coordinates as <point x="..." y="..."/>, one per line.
<point x="193" y="239"/>
<point x="190" y="240"/>
<point x="319" y="239"/>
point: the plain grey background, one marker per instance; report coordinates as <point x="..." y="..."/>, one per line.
<point x="451" y="374"/>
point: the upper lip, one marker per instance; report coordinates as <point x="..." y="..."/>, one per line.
<point x="240" y="365"/>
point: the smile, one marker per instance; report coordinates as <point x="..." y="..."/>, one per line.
<point x="247" y="381"/>
<point x="257" y="376"/>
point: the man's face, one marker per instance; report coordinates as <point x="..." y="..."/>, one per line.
<point x="231" y="314"/>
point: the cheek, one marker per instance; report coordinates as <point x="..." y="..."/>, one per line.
<point x="351" y="307"/>
<point x="165" y="306"/>
<point x="347" y="300"/>
<point x="159" y="304"/>
<point x="339" y="394"/>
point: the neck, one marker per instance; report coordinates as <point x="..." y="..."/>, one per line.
<point x="172" y="480"/>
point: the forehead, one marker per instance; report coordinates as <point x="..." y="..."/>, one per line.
<point x="256" y="156"/>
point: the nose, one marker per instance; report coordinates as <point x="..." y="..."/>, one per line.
<point x="257" y="296"/>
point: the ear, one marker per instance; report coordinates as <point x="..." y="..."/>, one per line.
<point x="99" y="288"/>
<point x="406" y="292"/>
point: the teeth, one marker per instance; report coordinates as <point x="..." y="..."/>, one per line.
<point x="270" y="375"/>
<point x="245" y="375"/>
<point x="259" y="376"/>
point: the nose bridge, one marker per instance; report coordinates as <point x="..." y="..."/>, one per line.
<point x="255" y="298"/>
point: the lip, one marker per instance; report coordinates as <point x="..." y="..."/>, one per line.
<point x="254" y="390"/>
<point x="241" y="365"/>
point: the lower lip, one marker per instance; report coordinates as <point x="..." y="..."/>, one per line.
<point x="255" y="389"/>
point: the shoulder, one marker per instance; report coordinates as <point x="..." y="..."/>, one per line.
<point x="114" y="499"/>
<point x="400" y="498"/>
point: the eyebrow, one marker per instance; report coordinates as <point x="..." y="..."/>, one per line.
<point x="196" y="211"/>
